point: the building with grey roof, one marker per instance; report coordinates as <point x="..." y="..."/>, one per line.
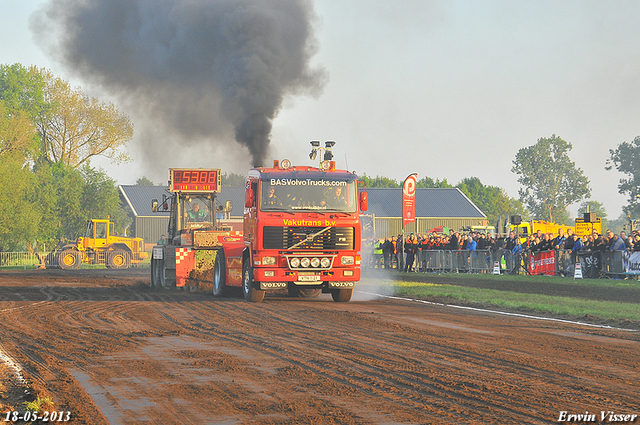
<point x="435" y="207"/>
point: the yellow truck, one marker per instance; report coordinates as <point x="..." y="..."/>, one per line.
<point x="100" y="245"/>
<point x="584" y="226"/>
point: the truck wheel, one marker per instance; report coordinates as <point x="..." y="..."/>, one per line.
<point x="250" y="292"/>
<point x="119" y="259"/>
<point x="342" y="295"/>
<point x="69" y="259"/>
<point x="219" y="275"/>
<point x="157" y="268"/>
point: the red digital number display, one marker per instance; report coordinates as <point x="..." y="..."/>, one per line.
<point x="194" y="180"/>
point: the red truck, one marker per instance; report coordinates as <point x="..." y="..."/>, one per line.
<point x="301" y="232"/>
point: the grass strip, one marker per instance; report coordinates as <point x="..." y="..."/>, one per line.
<point x="632" y="281"/>
<point x="555" y="305"/>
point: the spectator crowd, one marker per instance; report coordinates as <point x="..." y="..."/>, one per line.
<point x="405" y="252"/>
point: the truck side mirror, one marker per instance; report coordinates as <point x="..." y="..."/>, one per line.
<point x="364" y="201"/>
<point x="248" y="198"/>
<point x="228" y="206"/>
<point x="154" y="205"/>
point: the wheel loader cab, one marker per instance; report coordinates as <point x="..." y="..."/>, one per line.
<point x="97" y="233"/>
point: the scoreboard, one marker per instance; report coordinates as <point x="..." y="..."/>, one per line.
<point x="194" y="180"/>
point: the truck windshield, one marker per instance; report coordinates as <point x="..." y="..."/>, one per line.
<point x="304" y="194"/>
<point x="197" y="211"/>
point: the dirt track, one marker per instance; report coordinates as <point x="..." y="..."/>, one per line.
<point x="111" y="350"/>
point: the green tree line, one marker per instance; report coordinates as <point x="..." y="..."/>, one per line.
<point x="49" y="132"/>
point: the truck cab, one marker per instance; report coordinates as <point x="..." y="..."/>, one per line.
<point x="301" y="232"/>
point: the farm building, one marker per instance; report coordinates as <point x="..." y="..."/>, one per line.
<point x="434" y="207"/>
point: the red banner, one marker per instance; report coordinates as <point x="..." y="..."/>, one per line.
<point x="409" y="200"/>
<point x="543" y="263"/>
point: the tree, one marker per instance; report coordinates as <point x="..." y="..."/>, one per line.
<point x="232" y="179"/>
<point x="21" y="101"/>
<point x="378" y="181"/>
<point x="101" y="198"/>
<point x="429" y="182"/>
<point x="144" y="181"/>
<point x="594" y="207"/>
<point x="492" y="200"/>
<point x="22" y="89"/>
<point x="19" y="215"/>
<point x="17" y="133"/>
<point x="626" y="159"/>
<point x="78" y="127"/>
<point x="551" y="180"/>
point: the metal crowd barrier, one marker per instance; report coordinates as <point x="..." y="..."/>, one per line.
<point x="594" y="264"/>
<point x="27" y="260"/>
<point x="18" y="259"/>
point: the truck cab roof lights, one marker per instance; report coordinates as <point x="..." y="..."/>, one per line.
<point x="285" y="164"/>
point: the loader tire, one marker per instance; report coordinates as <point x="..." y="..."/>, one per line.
<point x="119" y="259"/>
<point x="69" y="259"/>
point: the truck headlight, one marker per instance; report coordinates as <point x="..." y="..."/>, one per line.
<point x="347" y="260"/>
<point x="315" y="262"/>
<point x="325" y="262"/>
<point x="295" y="262"/>
<point x="268" y="261"/>
<point x="305" y="262"/>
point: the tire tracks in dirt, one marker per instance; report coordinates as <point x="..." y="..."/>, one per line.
<point x="128" y="350"/>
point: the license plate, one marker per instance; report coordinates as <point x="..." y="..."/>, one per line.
<point x="308" y="278"/>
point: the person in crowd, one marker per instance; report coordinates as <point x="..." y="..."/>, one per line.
<point x="511" y="241"/>
<point x="627" y="242"/>
<point x="600" y="244"/>
<point x="472" y="245"/>
<point x="577" y="247"/>
<point x="609" y="238"/>
<point x="463" y="242"/>
<point x="490" y="242"/>
<point x="453" y="241"/>
<point x="400" y="258"/>
<point x="377" y="253"/>
<point x="529" y="244"/>
<point x="558" y="242"/>
<point x="536" y="246"/>
<point x="394" y="251"/>
<point x="410" y="248"/>
<point x="636" y="242"/>
<point x="481" y="242"/>
<point x="588" y="243"/>
<point x="546" y="244"/>
<point x="423" y="247"/>
<point x="569" y="241"/>
<point x="386" y="252"/>
<point x="162" y="240"/>
<point x="617" y="244"/>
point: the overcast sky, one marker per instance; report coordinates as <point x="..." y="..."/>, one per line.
<point x="446" y="89"/>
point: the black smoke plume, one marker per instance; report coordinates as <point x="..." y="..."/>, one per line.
<point x="202" y="71"/>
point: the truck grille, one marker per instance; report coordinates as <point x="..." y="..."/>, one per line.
<point x="284" y="237"/>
